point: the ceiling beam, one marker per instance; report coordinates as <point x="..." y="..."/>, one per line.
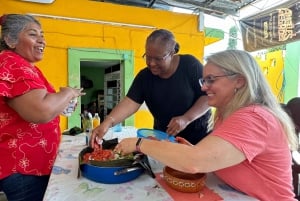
<point x="152" y="2"/>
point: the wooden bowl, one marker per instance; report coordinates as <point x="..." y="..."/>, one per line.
<point x="184" y="182"/>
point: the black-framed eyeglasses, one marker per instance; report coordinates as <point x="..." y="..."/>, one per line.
<point x="209" y="80"/>
<point x="156" y="59"/>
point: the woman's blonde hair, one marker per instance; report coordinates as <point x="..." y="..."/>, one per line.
<point x="255" y="91"/>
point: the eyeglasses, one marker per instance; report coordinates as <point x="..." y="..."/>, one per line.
<point x="156" y="59"/>
<point x="209" y="80"/>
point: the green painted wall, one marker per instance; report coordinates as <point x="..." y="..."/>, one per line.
<point x="75" y="55"/>
<point x="213" y="35"/>
<point x="96" y="75"/>
<point x="291" y="70"/>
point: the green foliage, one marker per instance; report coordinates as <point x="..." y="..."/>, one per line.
<point x="232" y="42"/>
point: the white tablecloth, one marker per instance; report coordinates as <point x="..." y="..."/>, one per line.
<point x="65" y="186"/>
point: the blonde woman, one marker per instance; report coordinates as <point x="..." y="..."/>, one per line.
<point x="250" y="145"/>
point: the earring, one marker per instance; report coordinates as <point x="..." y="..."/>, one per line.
<point x="11" y="46"/>
<point x="235" y="90"/>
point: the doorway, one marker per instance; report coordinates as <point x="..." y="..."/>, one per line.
<point x="99" y="58"/>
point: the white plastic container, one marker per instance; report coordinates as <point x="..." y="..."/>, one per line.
<point x="70" y="108"/>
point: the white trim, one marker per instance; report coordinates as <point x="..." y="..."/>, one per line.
<point x="91" y="21"/>
<point x="40" y="1"/>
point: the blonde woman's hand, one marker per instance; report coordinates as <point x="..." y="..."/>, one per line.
<point x="126" y="146"/>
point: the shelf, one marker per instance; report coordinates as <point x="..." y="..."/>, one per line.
<point x="112" y="89"/>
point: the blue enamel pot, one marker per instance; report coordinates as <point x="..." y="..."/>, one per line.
<point x="109" y="172"/>
<point x="110" y="175"/>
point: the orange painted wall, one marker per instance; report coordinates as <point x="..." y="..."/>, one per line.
<point x="63" y="34"/>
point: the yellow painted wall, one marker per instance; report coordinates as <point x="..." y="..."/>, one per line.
<point x="63" y="34"/>
<point x="272" y="64"/>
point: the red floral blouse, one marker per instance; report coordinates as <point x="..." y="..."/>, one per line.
<point x="25" y="147"/>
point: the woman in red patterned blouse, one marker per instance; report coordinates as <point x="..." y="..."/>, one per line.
<point x="29" y="110"/>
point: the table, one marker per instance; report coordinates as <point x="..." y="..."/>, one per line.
<point x="65" y="186"/>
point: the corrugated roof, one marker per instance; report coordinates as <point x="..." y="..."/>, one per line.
<point x="219" y="8"/>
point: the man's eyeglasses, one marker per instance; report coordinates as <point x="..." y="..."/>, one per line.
<point x="209" y="80"/>
<point x="156" y="59"/>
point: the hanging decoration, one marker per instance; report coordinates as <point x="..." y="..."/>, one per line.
<point x="277" y="26"/>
